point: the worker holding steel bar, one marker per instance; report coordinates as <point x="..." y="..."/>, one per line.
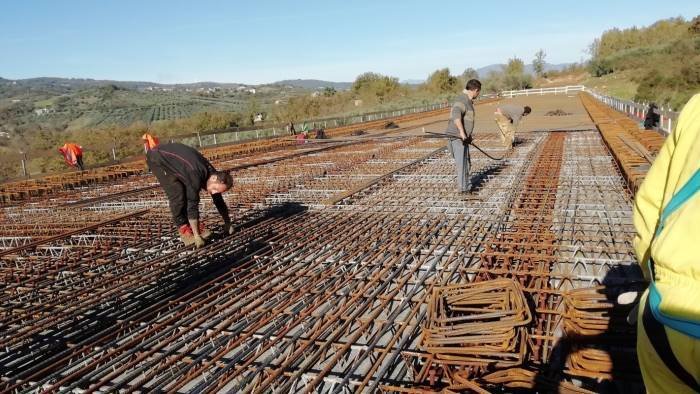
<point x="666" y="217"/>
<point x="182" y="172"/>
<point x="461" y="126"/>
<point x="507" y="118"/>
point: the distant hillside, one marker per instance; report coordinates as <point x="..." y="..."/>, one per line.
<point x="661" y="62"/>
<point x="63" y="84"/>
<point x="314" y="84"/>
<point x="484" y="71"/>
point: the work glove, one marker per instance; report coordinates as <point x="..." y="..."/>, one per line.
<point x="198" y="241"/>
<point x="228" y="228"/>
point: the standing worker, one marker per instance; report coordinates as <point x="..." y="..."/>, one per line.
<point x="666" y="217"/>
<point x="182" y="172"/>
<point x="507" y="117"/>
<point x="461" y="126"/>
<point x="73" y="155"/>
<point x="149" y="142"/>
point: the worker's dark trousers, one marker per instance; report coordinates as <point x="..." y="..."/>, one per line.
<point x="460" y="153"/>
<point x="174" y="189"/>
<point x="79" y="161"/>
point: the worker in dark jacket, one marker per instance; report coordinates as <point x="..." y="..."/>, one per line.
<point x="182" y="172"/>
<point x="652" y="118"/>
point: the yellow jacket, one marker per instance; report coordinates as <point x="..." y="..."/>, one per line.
<point x="675" y="249"/>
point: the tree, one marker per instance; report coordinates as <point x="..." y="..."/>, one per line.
<point x="441" y="81"/>
<point x="251" y="110"/>
<point x="494" y="82"/>
<point x="514" y="75"/>
<point x="468" y="74"/>
<point x="538" y="63"/>
<point x="515" y="66"/>
<point x="695" y="25"/>
<point x="375" y="87"/>
<point x="329" y="91"/>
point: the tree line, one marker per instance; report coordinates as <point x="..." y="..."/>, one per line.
<point x="369" y="92"/>
<point x="664" y="57"/>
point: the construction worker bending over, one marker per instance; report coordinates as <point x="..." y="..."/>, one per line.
<point x="182" y="172"/>
<point x="666" y="217"/>
<point x="461" y="126"/>
<point x="73" y="155"/>
<point x="507" y="117"/>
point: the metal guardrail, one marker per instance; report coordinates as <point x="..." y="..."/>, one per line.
<point x="240" y="134"/>
<point x="633" y="109"/>
<point x="638" y="111"/>
<point x="216" y="137"/>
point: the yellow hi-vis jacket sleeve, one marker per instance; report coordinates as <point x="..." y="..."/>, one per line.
<point x="676" y="162"/>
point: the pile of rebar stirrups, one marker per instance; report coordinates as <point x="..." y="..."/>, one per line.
<point x="479" y="324"/>
<point x="475" y="329"/>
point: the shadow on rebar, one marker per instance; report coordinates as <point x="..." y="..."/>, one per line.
<point x="615" y="348"/>
<point x="479" y="179"/>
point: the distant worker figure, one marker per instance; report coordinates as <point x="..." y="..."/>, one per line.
<point x="182" y="172"/>
<point x="652" y="118"/>
<point x="461" y="126"/>
<point x="290" y="128"/>
<point x="149" y="142"/>
<point x="301" y="137"/>
<point x="73" y="155"/>
<point x="666" y="217"/>
<point x="507" y="117"/>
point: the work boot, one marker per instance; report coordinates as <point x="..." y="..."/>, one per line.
<point x="186" y="235"/>
<point x="203" y="231"/>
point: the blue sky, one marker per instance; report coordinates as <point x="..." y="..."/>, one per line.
<point x="264" y="41"/>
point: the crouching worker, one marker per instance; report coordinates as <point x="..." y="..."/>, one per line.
<point x="507" y="118"/>
<point x="182" y="172"/>
<point x="73" y="155"/>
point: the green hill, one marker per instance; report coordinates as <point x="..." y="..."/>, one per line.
<point x="662" y="60"/>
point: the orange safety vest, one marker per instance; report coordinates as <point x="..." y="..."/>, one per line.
<point x="70" y="153"/>
<point x="149" y="142"/>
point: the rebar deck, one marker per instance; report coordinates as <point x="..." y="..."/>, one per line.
<point x="356" y="267"/>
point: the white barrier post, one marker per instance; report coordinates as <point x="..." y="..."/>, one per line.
<point x="661" y="118"/>
<point x="24" y="164"/>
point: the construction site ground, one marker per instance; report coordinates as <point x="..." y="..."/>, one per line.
<point x="356" y="266"/>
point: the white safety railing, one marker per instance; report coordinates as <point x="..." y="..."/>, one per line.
<point x="634" y="110"/>
<point x="217" y="137"/>
<point x="235" y="134"/>
<point x="543" y="91"/>
<point x="638" y="111"/>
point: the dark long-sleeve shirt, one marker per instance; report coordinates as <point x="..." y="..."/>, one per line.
<point x="190" y="168"/>
<point x="652" y="118"/>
